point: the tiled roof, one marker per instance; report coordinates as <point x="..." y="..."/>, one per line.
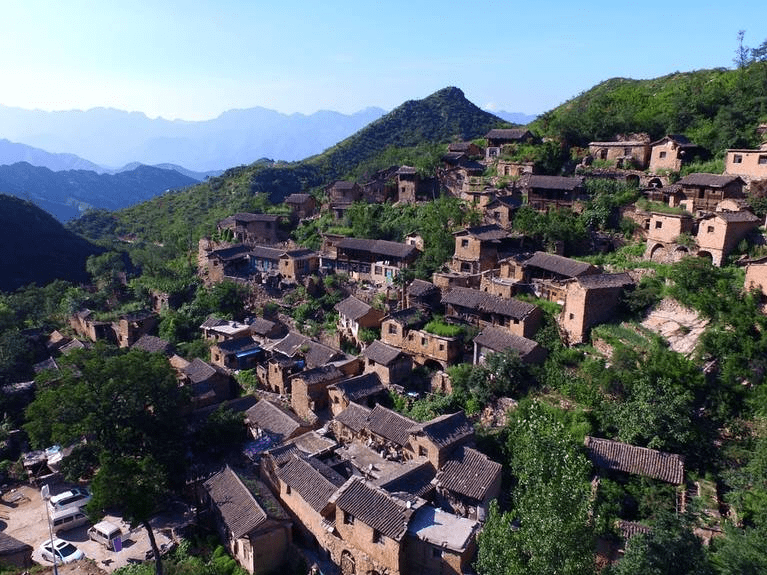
<point x="680" y="140"/>
<point x="482" y="301"/>
<point x="489" y="232"/>
<point x="738" y="217"/>
<point x="261" y="326"/>
<point x="412" y="477"/>
<point x="629" y="529"/>
<point x="374" y="507"/>
<point x="352" y="308"/>
<point x="354" y="417"/>
<point x="247" y="217"/>
<point x="406" y="170"/>
<point x="284" y="453"/>
<point x="389" y="424"/>
<point x="273" y="419"/>
<point x="265" y="253"/>
<point x="213" y="322"/>
<point x="238" y="508"/>
<point x="237" y="345"/>
<point x="152" y="344"/>
<point x="558" y="264"/>
<point x="554" y="182"/>
<point x="707" y="180"/>
<point x="445" y="430"/>
<point x="297" y="198"/>
<point x="315" y="353"/>
<point x="595" y="281"/>
<point x="469" y="472"/>
<point x="343" y="185"/>
<point x="378" y="247"/>
<point x="459" y="146"/>
<point x="497" y="339"/>
<point x="10" y="545"/>
<point x="381" y="353"/>
<point x="318" y="375"/>
<point x="620" y="143"/>
<point x="234" y="252"/>
<point x="507" y="133"/>
<point x="311" y="485"/>
<point x="421" y="288"/>
<point x="360" y="387"/>
<point x="198" y="370"/>
<point x="627" y="458"/>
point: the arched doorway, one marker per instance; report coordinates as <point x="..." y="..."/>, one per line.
<point x="347" y="563"/>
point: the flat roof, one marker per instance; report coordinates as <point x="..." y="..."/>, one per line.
<point x="441" y="528"/>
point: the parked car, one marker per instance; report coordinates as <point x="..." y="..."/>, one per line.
<point x="76" y="497"/>
<point x="68" y="518"/>
<point x="105" y="533"/>
<point x="65" y="551"/>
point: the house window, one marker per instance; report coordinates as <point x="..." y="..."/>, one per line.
<point x="392" y="328"/>
<point x="762" y="160"/>
<point x="423" y="341"/>
<point x="442" y="347"/>
<point x="422" y="451"/>
<point x="737" y="159"/>
<point x="626" y="151"/>
<point x="464" y="243"/>
<point x="572" y="316"/>
<point x="658" y="225"/>
<point x="436" y="553"/>
<point x="379" y="271"/>
<point x="287" y="489"/>
<point x="370" y="362"/>
<point x="348" y="518"/>
<point x="377" y="537"/>
<point x="710" y="229"/>
<point x="662" y="155"/>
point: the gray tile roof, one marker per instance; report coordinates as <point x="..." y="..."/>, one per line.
<point x="360" y="387"/>
<point x="374" y="507"/>
<point x="489" y="232"/>
<point x="412" y="477"/>
<point x="743" y="216"/>
<point x="596" y="281"/>
<point x="311" y="485"/>
<point x="708" y="180"/>
<point x="381" y="353"/>
<point x="352" y="308"/>
<point x="558" y="264"/>
<point x="271" y="418"/>
<point x="445" y="430"/>
<point x="354" y="417"/>
<point x="482" y="301"/>
<point x="389" y="424"/>
<point x="629" y="529"/>
<point x="238" y="508"/>
<point x="378" y="247"/>
<point x="420" y="288"/>
<point x="412" y="317"/>
<point x="627" y="458"/>
<point x="469" y="473"/>
<point x="237" y="345"/>
<point x="507" y="133"/>
<point x="564" y="183"/>
<point x="152" y="344"/>
<point x="497" y="339"/>
<point x="297" y="198"/>
<point x="198" y="371"/>
<point x="318" y="375"/>
<point x="315" y="353"/>
<point x="247" y="217"/>
<point x="232" y="253"/>
<point x="261" y="326"/>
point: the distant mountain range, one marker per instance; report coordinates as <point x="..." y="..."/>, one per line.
<point x="514" y="117"/>
<point x="66" y="194"/>
<point x="111" y="138"/>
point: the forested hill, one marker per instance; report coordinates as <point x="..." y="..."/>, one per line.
<point x="717" y="109"/>
<point x="37" y="248"/>
<point x="174" y="218"/>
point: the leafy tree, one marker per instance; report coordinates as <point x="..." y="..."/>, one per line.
<point x="548" y="529"/>
<point x="741" y="551"/>
<point x="670" y="548"/>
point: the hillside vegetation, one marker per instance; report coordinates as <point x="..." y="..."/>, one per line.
<point x="716" y="109"/>
<point x="178" y="217"/>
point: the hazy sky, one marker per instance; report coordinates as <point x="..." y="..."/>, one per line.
<point x="195" y="59"/>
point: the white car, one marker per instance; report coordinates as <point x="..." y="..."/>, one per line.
<point x="65" y="551"/>
<point x="77" y="497"/>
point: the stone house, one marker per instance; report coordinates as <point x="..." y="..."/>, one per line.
<point x="209" y="384"/>
<point x="468" y="482"/>
<point x="240" y="353"/>
<point x="402" y="330"/>
<point x="496" y="340"/>
<point x="545" y="193"/>
<point x="348" y="424"/>
<point x="382" y="186"/>
<point x="423" y="295"/>
<point x="663" y="233"/>
<point x="500" y="137"/>
<point x="252" y="228"/>
<point x="263" y="330"/>
<point x="627" y="154"/>
<point x="296" y="264"/>
<point x="343" y="192"/>
<point x="217" y="329"/>
<point x="301" y="206"/>
<point x="267" y="418"/>
<point x="309" y="390"/>
<point x="482" y="309"/>
<point x="478" y="249"/>
<point x="407" y="184"/>
<point x="501" y="211"/>
<point x="390" y="364"/>
<point x="543" y="274"/>
<point x="387" y="429"/>
<point x="719" y="233"/>
<point x="353" y="315"/>
<point x="130" y="327"/>
<point x="438" y="542"/>
<point x="506" y="168"/>
<point x="153" y="344"/>
<point x="702" y="192"/>
<point x="257" y="536"/>
<point x="364" y="389"/>
<point x="376" y="261"/>
<point x="756" y="276"/>
<point x="227" y="262"/>
<point x="470" y="149"/>
<point x="438" y="438"/>
<point x="671" y="152"/>
<point x="748" y="164"/>
<point x="589" y="301"/>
